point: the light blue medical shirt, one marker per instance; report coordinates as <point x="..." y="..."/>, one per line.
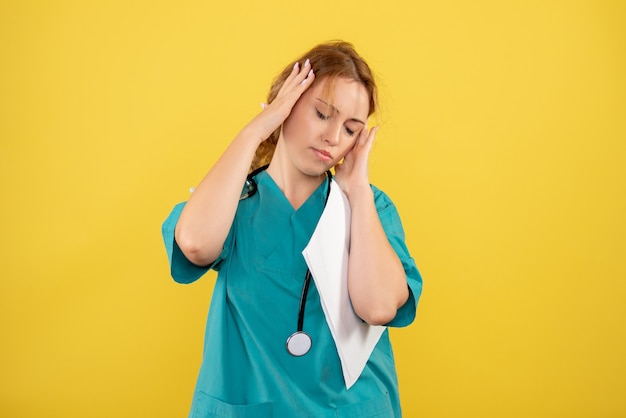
<point x="246" y="370"/>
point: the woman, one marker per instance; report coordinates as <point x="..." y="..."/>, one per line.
<point x="315" y="119"/>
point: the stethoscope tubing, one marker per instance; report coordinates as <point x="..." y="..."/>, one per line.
<point x="250" y="188"/>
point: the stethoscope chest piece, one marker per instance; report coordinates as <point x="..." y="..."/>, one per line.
<point x="299" y="343"/>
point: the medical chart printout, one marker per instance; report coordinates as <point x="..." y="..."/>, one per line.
<point x="327" y="258"/>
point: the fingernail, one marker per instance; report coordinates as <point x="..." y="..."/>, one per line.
<point x="306" y="62"/>
<point x="307" y="76"/>
<point x="263" y="105"/>
<point x="296" y="65"/>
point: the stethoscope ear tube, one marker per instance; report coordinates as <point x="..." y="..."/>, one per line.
<point x="249" y="187"/>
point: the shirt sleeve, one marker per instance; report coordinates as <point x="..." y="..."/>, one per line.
<point x="392" y="225"/>
<point x="181" y="269"/>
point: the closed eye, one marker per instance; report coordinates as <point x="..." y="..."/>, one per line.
<point x="321" y="115"/>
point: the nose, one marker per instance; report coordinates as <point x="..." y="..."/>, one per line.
<point x="332" y="134"/>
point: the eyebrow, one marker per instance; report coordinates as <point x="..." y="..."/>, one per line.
<point x="337" y="111"/>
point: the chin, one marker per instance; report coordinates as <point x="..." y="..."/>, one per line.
<point x="316" y="170"/>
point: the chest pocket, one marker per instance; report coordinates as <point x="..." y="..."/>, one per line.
<point x="372" y="408"/>
<point x="208" y="407"/>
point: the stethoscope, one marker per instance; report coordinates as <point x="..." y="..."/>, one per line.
<point x="299" y="343"/>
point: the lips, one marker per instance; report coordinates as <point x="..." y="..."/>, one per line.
<point x="322" y="154"/>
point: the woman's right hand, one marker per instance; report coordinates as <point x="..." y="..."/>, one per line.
<point x="208" y="215"/>
<point x="275" y="113"/>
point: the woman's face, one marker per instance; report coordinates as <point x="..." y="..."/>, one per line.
<point x="324" y="124"/>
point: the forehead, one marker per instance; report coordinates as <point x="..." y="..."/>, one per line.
<point x="348" y="96"/>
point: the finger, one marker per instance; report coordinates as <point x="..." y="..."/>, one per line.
<point x="362" y="147"/>
<point x="361" y="137"/>
<point x="297" y="74"/>
<point x="308" y="79"/>
<point x="289" y="80"/>
<point x="369" y="140"/>
<point x="373" y="133"/>
<point x="295" y="84"/>
<point x="303" y="80"/>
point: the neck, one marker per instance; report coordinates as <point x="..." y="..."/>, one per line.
<point x="295" y="185"/>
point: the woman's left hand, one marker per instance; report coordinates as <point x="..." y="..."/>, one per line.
<point x="353" y="173"/>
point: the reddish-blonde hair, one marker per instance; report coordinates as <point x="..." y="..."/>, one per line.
<point x="329" y="60"/>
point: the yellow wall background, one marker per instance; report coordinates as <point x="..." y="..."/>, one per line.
<point x="503" y="144"/>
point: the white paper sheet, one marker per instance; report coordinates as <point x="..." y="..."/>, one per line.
<point x="327" y="257"/>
